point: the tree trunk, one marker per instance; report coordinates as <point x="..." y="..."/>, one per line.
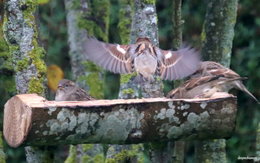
<point x="218" y="31"/>
<point x="144" y="24"/>
<point x="177" y="24"/>
<point x="179" y="146"/>
<point x="124" y="153"/>
<point x="22" y="37"/>
<point x="2" y="153"/>
<point x="217" y="37"/>
<point x="80" y="20"/>
<point x="258" y="142"/>
<point x="7" y="83"/>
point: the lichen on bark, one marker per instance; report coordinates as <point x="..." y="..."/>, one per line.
<point x="85" y="18"/>
<point x="21" y="34"/>
<point x="218" y="30"/>
<point x="217" y="37"/>
<point x="258" y="141"/>
<point x="2" y="153"/>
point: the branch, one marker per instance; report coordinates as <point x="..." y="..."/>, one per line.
<point x="32" y="120"/>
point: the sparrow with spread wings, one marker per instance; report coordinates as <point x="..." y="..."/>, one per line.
<point x="209" y="80"/>
<point x="144" y="58"/>
<point x="69" y="91"/>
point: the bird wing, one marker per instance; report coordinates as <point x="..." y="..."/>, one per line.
<point x="82" y="95"/>
<point x="194" y="82"/>
<point x="214" y="69"/>
<point x="112" y="57"/>
<point x="178" y="64"/>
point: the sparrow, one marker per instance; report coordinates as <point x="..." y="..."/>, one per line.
<point x="209" y="79"/>
<point x="69" y="91"/>
<point x="144" y="58"/>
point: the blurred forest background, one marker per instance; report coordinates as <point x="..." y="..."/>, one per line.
<point x="245" y="58"/>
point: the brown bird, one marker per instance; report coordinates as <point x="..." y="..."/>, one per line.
<point x="210" y="78"/>
<point x="144" y="58"/>
<point x="69" y="91"/>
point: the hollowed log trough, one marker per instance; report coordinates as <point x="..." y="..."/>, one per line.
<point x="32" y="120"/>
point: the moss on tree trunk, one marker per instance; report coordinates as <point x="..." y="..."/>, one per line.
<point x="27" y="56"/>
<point x="217" y="37"/>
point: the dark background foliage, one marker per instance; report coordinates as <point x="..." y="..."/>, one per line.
<point x="245" y="56"/>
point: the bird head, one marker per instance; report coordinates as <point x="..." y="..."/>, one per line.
<point x="144" y="46"/>
<point x="143" y="39"/>
<point x="65" y="85"/>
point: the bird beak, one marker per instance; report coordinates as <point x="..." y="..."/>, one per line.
<point x="59" y="87"/>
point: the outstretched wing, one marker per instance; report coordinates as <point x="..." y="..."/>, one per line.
<point x="178" y="64"/>
<point x="112" y="57"/>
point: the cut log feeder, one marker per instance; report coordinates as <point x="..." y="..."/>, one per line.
<point x="32" y="120"/>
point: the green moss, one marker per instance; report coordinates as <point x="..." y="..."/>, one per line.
<point x="93" y="79"/>
<point x="22" y="64"/>
<point x="99" y="158"/>
<point x="149" y="1"/>
<point x="35" y="86"/>
<point x="7" y="84"/>
<point x="96" y="23"/>
<point x="203" y="34"/>
<point x="89" y="159"/>
<point x="76" y="5"/>
<point x="5" y="56"/>
<point x="92" y="28"/>
<point x="90" y="66"/>
<point x="4" y="50"/>
<point x="87" y="147"/>
<point x="127" y="154"/>
<point x="125" y="78"/>
<point x="124" y="25"/>
<point x="2" y="154"/>
<point x="72" y="155"/>
<point x="86" y="158"/>
<point x="95" y="84"/>
<point x="128" y="91"/>
<point x="87" y="24"/>
<point x="102" y="12"/>
<point x="29" y="7"/>
<point x="36" y="54"/>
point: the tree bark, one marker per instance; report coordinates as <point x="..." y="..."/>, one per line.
<point x="179" y="146"/>
<point x="177" y="24"/>
<point x="21" y="34"/>
<point x="258" y="142"/>
<point x="80" y="18"/>
<point x="2" y="153"/>
<point x="218" y="31"/>
<point x="124" y="153"/>
<point x="7" y="85"/>
<point x="32" y="120"/>
<point x="217" y="37"/>
<point x="76" y="38"/>
<point x="144" y="24"/>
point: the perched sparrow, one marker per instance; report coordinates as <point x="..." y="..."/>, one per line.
<point x="210" y="68"/>
<point x="209" y="79"/>
<point x="144" y="58"/>
<point x="69" y="91"/>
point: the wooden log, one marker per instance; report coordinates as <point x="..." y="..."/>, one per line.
<point x="32" y="120"/>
